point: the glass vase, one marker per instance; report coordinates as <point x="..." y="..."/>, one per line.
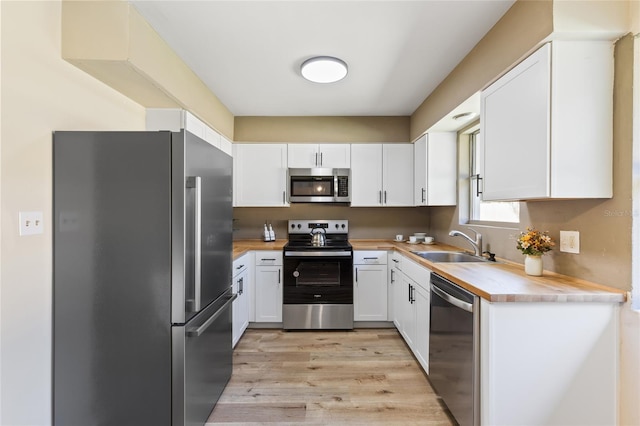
<point x="533" y="265"/>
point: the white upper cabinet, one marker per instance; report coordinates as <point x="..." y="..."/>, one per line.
<point x="336" y="156"/>
<point x="260" y="175"/>
<point x="435" y="156"/>
<point x="547" y="125"/>
<point x="382" y="175"/>
<point x="366" y="175"/>
<point x="175" y="119"/>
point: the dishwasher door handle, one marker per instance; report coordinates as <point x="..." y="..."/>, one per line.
<point x="451" y="299"/>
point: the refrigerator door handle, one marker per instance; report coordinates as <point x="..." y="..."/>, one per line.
<point x="195" y="182"/>
<point x="197" y="331"/>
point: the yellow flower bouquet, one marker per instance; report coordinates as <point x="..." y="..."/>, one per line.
<point x="534" y="242"/>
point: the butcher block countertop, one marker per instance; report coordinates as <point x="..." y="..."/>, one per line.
<point x="500" y="281"/>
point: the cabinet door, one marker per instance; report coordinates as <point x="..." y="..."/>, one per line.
<point x="441" y="183"/>
<point x="404" y="309"/>
<point x="397" y="179"/>
<point x="370" y="293"/>
<point x="259" y="175"/>
<point x="366" y="175"/>
<point x="240" y="305"/>
<point x="515" y="131"/>
<point x="422" y="309"/>
<point x="420" y="171"/>
<point x="335" y="156"/>
<point x="268" y="292"/>
<point x="303" y="155"/>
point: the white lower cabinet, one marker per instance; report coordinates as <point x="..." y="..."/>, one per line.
<point x="549" y="363"/>
<point x="370" y="286"/>
<point x="242" y="288"/>
<point x="421" y="303"/>
<point x="268" y="286"/>
<point x="411" y="298"/>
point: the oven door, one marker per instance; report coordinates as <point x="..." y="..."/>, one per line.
<point x="320" y="277"/>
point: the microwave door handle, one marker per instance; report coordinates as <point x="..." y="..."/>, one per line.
<point x="195" y="183"/>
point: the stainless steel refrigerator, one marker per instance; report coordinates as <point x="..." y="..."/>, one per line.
<point x="141" y="278"/>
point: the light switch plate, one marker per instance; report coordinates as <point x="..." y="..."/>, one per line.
<point x="31" y="223"/>
<point x="570" y="241"/>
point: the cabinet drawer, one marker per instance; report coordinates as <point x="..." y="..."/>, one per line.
<point x="240" y="264"/>
<point x="395" y="260"/>
<point x="416" y="272"/>
<point x="361" y="257"/>
<point x="268" y="258"/>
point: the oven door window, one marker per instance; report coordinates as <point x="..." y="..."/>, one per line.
<point x="312" y="186"/>
<point x="317" y="274"/>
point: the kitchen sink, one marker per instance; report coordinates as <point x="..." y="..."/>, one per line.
<point x="449" y="256"/>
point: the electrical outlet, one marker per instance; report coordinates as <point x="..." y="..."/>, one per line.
<point x="31" y="223"/>
<point x="570" y="241"/>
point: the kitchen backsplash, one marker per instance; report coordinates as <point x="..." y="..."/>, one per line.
<point x="364" y="222"/>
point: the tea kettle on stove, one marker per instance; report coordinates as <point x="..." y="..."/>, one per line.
<point x="318" y="237"/>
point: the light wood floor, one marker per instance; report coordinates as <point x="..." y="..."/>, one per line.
<point x="367" y="376"/>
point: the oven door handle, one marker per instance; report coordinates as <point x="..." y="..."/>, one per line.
<point x="318" y="253"/>
<point x="451" y="299"/>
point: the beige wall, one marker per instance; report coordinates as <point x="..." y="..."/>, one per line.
<point x="39" y="93"/>
<point x="604" y="225"/>
<point x="112" y="42"/>
<point x="322" y="129"/>
<point x="364" y="222"/>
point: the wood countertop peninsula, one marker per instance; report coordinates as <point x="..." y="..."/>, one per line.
<point x="501" y="281"/>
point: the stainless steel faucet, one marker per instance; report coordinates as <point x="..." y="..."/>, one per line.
<point x="477" y="243"/>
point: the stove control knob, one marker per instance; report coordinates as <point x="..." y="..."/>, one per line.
<point x="343" y="226"/>
<point x="299" y="226"/>
<point x="336" y="226"/>
<point x="296" y="274"/>
<point x="293" y="226"/>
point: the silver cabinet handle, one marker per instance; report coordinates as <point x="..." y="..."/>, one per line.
<point x="424" y="195"/>
<point x="478" y="179"/>
<point x="356" y="275"/>
<point x="316" y="158"/>
<point x="240" y="267"/>
<point x="197" y="331"/>
<point x="321" y="162"/>
<point x="453" y="300"/>
<point x="241" y="285"/>
<point x="263" y="259"/>
<point x="392" y="276"/>
<point x="284" y="197"/>
<point x="370" y="258"/>
<point x="380" y="196"/>
<point x="385" y="197"/>
<point x="195" y="183"/>
<point x="278" y="275"/>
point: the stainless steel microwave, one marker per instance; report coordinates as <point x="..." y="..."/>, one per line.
<point x="319" y="185"/>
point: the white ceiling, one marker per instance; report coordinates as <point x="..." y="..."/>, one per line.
<point x="249" y="52"/>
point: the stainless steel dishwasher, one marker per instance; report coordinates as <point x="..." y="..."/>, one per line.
<point x="454" y="349"/>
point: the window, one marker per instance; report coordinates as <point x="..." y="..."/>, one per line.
<point x="485" y="211"/>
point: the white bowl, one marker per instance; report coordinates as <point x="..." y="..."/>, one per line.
<point x="420" y="234"/>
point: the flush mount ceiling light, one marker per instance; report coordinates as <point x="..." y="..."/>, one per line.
<point x="464" y="116"/>
<point x="323" y="69"/>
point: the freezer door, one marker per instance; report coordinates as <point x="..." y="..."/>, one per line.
<point x="202" y="225"/>
<point x="202" y="362"/>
